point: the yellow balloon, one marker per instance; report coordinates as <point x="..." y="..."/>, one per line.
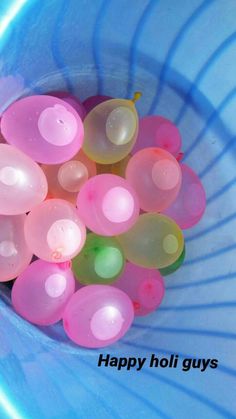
<point x="121" y="125"/>
<point x="110" y="130"/>
<point x="155" y="241"/>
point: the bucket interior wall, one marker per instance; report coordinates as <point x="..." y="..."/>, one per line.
<point x="182" y="57"/>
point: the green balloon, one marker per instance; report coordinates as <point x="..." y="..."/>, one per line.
<point x="100" y="261"/>
<point x="174" y="266"/>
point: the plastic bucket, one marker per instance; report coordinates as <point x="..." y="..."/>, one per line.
<point x="182" y="56"/>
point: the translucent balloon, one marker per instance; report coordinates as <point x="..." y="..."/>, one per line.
<point x="23" y="184"/>
<point x="14" y="253"/>
<point x="145" y="287"/>
<point x="65" y="180"/>
<point x="174" y="266"/>
<point x="156" y="177"/>
<point x="108" y="205"/>
<point x="117" y="168"/>
<point x="54" y="231"/>
<point x="156" y="131"/>
<point x="121" y="125"/>
<point x="72" y="175"/>
<point x="72" y="100"/>
<point x="100" y="261"/>
<point x="93" y="101"/>
<point x="98" y="315"/>
<point x="46" y="128"/>
<point x="155" y="241"/>
<point x="190" y="204"/>
<point x="110" y="131"/>
<point x="42" y="291"/>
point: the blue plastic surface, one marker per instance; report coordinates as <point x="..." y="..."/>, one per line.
<point x="182" y="56"/>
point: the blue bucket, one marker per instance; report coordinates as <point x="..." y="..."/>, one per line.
<point x="182" y="56"/>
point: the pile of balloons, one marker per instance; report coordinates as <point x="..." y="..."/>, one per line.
<point x="97" y="195"/>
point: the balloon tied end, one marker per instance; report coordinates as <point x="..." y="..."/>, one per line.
<point x="136" y="97"/>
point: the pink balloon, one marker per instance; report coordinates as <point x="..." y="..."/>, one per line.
<point x="108" y="205"/>
<point x="156" y="131"/>
<point x="46" y="128"/>
<point x="97" y="315"/>
<point x="15" y="256"/>
<point x="42" y="291"/>
<point x="93" y="101"/>
<point x="145" y="287"/>
<point x="23" y="184"/>
<point x="190" y="204"/>
<point x="155" y="175"/>
<point x="72" y="100"/>
<point x="54" y="231"/>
